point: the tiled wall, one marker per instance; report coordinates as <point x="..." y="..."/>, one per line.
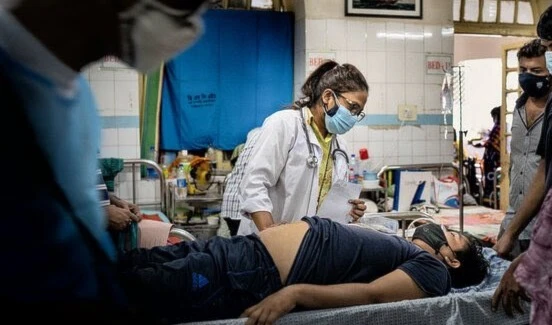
<point x="116" y="88"/>
<point x="391" y="53"/>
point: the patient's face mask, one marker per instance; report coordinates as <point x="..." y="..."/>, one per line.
<point x="535" y="86"/>
<point x="339" y="119"/>
<point x="431" y="234"/>
<point x="152" y="32"/>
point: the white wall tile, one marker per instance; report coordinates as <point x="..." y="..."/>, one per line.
<point x="433" y="147"/>
<point x="109" y="151"/>
<point x="390" y="148"/>
<point x="124" y="190"/>
<point x="110" y="137"/>
<point x="395" y="97"/>
<point x="129" y="152"/>
<point x="418" y="133"/>
<point x="405" y="160"/>
<point x="432" y="132"/>
<point x="415" y="95"/>
<point x="447" y="39"/>
<point x="349" y="138"/>
<point x="375" y="134"/>
<point x="375" y="37"/>
<point x="390" y="161"/>
<point x="404" y="133"/>
<point x="395" y="37"/>
<point x="376" y="149"/>
<point x="376" y="99"/>
<point x="358" y="59"/>
<point x="432" y="41"/>
<point x="419" y="148"/>
<point x="336" y="29"/>
<point x="391" y="134"/>
<point x="126" y="98"/>
<point x="341" y="56"/>
<point x="447" y="148"/>
<point x="414" y="34"/>
<point x="356" y="35"/>
<point x="128" y="137"/>
<point x="360" y="133"/>
<point x="315" y="36"/>
<point x="432" y="99"/>
<point x="126" y="75"/>
<point x="96" y="73"/>
<point x="104" y="91"/>
<point x="395" y="70"/>
<point x="415" y="68"/>
<point x="147" y="191"/>
<point x="376" y="67"/>
<point x="433" y="159"/>
<point x="418" y="160"/>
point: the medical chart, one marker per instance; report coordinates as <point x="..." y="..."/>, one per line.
<point x="336" y="205"/>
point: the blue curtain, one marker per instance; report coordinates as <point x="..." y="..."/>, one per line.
<point x="227" y="83"/>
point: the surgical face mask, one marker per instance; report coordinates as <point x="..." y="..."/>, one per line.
<point x="548" y="57"/>
<point x="431" y="234"/>
<point x="339" y="119"/>
<point x="152" y="33"/>
<point x="534" y="86"/>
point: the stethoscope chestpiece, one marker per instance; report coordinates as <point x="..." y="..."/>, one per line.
<point x="312" y="161"/>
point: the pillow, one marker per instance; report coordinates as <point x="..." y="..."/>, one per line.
<point x="497" y="267"/>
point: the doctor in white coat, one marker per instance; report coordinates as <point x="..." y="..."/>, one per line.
<point x="300" y="153"/>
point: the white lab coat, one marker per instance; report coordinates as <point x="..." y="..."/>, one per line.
<point x="277" y="178"/>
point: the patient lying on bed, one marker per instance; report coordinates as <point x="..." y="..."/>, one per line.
<point x="313" y="263"/>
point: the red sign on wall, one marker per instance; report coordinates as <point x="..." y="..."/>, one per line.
<point x="438" y="64"/>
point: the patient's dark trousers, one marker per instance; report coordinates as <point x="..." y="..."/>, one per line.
<point x="199" y="280"/>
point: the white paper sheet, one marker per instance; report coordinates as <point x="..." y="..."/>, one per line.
<point x="336" y="205"/>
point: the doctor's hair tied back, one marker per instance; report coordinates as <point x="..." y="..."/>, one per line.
<point x="302" y="102"/>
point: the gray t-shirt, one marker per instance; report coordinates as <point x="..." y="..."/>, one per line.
<point x="524" y="162"/>
<point x="333" y="253"/>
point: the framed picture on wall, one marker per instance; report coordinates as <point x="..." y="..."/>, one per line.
<point x="384" y="8"/>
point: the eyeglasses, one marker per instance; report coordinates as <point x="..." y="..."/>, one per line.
<point x="354" y="108"/>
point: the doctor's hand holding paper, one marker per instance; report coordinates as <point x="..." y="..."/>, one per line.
<point x="300" y="153"/>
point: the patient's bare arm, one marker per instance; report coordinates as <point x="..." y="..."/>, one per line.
<point x="394" y="286"/>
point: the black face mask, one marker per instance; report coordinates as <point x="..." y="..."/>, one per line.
<point x="534" y="86"/>
<point x="431" y="234"/>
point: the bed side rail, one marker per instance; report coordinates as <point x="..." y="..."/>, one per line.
<point x="136" y="163"/>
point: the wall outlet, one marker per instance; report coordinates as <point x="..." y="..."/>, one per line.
<point x="407" y="112"/>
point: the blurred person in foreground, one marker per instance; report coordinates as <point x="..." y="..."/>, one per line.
<point x="54" y="240"/>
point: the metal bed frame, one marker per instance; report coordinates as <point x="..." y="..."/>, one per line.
<point x="440" y="168"/>
<point x="162" y="203"/>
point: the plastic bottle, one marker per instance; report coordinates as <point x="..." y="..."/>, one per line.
<point x="181" y="182"/>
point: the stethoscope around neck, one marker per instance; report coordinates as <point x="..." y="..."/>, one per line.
<point x="312" y="160"/>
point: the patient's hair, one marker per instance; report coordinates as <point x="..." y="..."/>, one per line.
<point x="473" y="265"/>
<point x="340" y="78"/>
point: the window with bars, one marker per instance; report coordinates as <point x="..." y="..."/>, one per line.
<point x="499" y="17"/>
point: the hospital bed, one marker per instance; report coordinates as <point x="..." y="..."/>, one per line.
<point x="159" y="205"/>
<point x="480" y="221"/>
<point x="468" y="306"/>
